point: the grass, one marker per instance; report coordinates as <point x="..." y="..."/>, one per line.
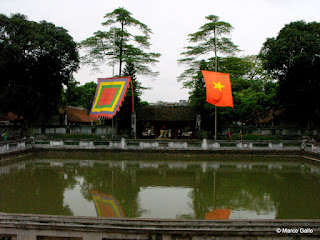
<point x="260" y="137"/>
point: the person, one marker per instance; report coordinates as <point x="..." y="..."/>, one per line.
<point x="240" y="135"/>
<point x="5" y="136"/>
<point x="229" y="136"/>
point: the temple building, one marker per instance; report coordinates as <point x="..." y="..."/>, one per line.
<point x="166" y="120"/>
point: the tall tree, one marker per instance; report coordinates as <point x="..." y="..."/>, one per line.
<point x="210" y="39"/>
<point x="36" y="60"/>
<point x="126" y="108"/>
<point x="293" y="57"/>
<point x="130" y="70"/>
<point x="118" y="44"/>
<point x="209" y="35"/>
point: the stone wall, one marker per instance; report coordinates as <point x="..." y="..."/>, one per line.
<point x="14" y="132"/>
<point x="100" y="130"/>
<point x="35" y="227"/>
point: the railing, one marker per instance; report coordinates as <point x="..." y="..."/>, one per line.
<point x="285" y="145"/>
<point x="175" y="144"/>
<point x="14" y="146"/>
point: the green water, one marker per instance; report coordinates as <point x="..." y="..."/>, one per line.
<point x="155" y="186"/>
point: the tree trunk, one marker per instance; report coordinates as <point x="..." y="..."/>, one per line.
<point x="121" y="50"/>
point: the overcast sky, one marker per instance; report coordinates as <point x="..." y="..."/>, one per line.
<point x="171" y="21"/>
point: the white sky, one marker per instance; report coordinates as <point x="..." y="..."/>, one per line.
<point x="171" y="21"/>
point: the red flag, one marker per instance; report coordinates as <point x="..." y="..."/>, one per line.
<point x="220" y="214"/>
<point x="218" y="88"/>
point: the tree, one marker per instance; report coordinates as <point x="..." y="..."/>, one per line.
<point x="254" y="92"/>
<point x="209" y="39"/>
<point x="209" y="34"/>
<point x="80" y="96"/>
<point x="118" y="44"/>
<point x="293" y="57"/>
<point x="36" y="59"/>
<point x="70" y="94"/>
<point x="130" y="70"/>
<point x="126" y="108"/>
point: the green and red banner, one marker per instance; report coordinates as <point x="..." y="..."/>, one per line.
<point x="109" y="96"/>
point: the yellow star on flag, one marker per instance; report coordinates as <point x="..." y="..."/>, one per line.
<point x="218" y="85"/>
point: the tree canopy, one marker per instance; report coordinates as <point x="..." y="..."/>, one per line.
<point x="254" y="93"/>
<point x="205" y="38"/>
<point x="119" y="45"/>
<point x="36" y="59"/>
<point x="79" y="96"/>
<point x="293" y="57"/>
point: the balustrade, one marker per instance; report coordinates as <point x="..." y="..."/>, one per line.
<point x="205" y="144"/>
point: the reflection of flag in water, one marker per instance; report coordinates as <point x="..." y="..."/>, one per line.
<point x="106" y="205"/>
<point x="109" y="96"/>
<point x="218" y="214"/>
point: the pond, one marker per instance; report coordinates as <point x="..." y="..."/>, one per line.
<point x="162" y="186"/>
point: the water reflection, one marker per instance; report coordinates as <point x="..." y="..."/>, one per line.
<point x="163" y="189"/>
<point x="74" y="199"/>
<point x="166" y="202"/>
<point x="218" y="214"/>
<point x="106" y="205"/>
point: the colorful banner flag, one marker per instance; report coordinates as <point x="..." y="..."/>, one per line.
<point x="218" y="88"/>
<point x="109" y="96"/>
<point x="106" y="205"/>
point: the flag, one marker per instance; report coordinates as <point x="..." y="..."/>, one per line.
<point x="109" y="96"/>
<point x="218" y="214"/>
<point x="106" y="205"/>
<point x="218" y="88"/>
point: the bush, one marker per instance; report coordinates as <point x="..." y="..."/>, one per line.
<point x="259" y="137"/>
<point x="204" y="134"/>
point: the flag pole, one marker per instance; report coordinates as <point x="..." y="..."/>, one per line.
<point x="113" y="54"/>
<point x="216" y="69"/>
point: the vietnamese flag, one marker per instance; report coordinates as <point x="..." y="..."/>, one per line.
<point x="218" y="88"/>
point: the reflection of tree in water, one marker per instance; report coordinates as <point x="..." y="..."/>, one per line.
<point x="34" y="190"/>
<point x="255" y="191"/>
<point x="290" y="195"/>
<point x="70" y="176"/>
<point x="233" y="190"/>
<point x="41" y="190"/>
<point x="191" y="196"/>
<point x="259" y="204"/>
<point x="248" y="190"/>
<point x="185" y="216"/>
<point x="297" y="196"/>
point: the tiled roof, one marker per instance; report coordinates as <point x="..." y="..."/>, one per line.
<point x="10" y="117"/>
<point x="77" y="114"/>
